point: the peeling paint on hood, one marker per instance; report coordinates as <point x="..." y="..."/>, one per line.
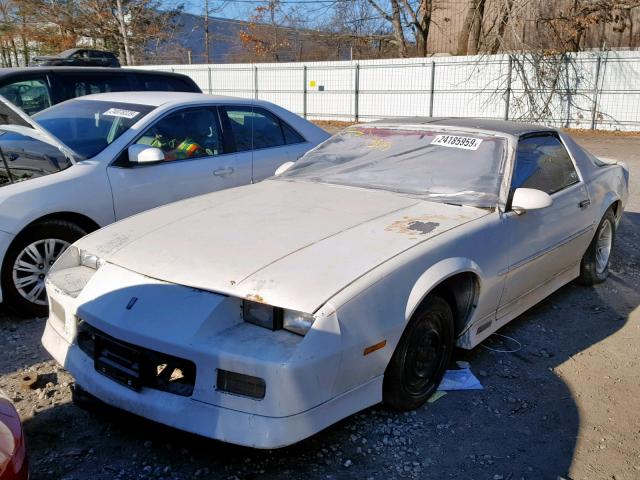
<point x="284" y="243"/>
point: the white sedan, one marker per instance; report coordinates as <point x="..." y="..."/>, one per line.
<point x="261" y="315"/>
<point x="87" y="162"/>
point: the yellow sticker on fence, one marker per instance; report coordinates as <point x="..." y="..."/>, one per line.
<point x="312" y="83"/>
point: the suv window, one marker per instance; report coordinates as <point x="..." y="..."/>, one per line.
<point x="255" y="128"/>
<point x="163" y="83"/>
<point x="30" y="95"/>
<point x="80" y="84"/>
<point x="543" y="163"/>
<point x="188" y="133"/>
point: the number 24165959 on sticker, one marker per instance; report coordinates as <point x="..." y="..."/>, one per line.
<point x="457" y="141"/>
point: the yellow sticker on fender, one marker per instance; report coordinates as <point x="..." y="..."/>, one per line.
<point x="457" y="141"/>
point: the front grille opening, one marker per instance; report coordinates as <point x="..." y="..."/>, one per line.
<point x="151" y="369"/>
<point x="178" y="378"/>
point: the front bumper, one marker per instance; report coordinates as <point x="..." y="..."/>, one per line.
<point x="228" y="425"/>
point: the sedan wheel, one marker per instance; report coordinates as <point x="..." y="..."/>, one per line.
<point x="421" y="357"/>
<point x="28" y="260"/>
<point x="32" y="265"/>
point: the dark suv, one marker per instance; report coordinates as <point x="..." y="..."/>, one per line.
<point x="34" y="89"/>
<point x="79" y="57"/>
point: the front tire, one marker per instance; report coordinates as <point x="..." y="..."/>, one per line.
<point x="421" y="357"/>
<point x="594" y="267"/>
<point x="28" y="260"/>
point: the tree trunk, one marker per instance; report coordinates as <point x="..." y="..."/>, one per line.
<point x="123" y="32"/>
<point x="476" y="28"/>
<point x="504" y="20"/>
<point x="398" y="31"/>
<point x="469" y="38"/>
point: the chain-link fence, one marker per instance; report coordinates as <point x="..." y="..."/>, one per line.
<point x="597" y="90"/>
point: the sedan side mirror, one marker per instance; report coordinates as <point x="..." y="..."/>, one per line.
<point x="141" y="154"/>
<point x="283" y="168"/>
<point x="525" y="199"/>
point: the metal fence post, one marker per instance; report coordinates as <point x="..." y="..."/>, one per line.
<point x="432" y="87"/>
<point x="304" y="91"/>
<point x="209" y="77"/>
<point x="255" y="82"/>
<point x="507" y="97"/>
<point x="356" y="93"/>
<point x="594" y="109"/>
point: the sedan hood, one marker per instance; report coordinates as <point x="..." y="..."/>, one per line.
<point x="283" y="243"/>
<point x="14" y="119"/>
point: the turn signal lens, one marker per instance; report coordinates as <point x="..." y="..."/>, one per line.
<point x="240" y="384"/>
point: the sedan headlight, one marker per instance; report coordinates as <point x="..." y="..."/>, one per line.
<point x="90" y="260"/>
<point x="297" y="322"/>
<point x="275" y="318"/>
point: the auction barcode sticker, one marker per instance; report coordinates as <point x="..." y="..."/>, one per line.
<point x="457" y="141"/>
<point x="119" y="112"/>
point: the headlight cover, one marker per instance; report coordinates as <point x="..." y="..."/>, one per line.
<point x="275" y="318"/>
<point x="90" y="260"/>
<point x="297" y="322"/>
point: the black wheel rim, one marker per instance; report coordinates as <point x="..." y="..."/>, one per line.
<point x="425" y="357"/>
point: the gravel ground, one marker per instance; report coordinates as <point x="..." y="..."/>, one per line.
<point x="565" y="405"/>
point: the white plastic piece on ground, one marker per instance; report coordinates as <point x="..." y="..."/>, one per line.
<point x="461" y="379"/>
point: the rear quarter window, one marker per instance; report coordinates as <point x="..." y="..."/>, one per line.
<point x="166" y="83"/>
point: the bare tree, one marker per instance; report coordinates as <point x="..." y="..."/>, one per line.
<point x="395" y="18"/>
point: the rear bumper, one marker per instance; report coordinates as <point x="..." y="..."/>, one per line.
<point x="186" y="413"/>
<point x="5" y="241"/>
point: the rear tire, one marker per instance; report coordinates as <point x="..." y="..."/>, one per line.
<point x="421" y="357"/>
<point x="594" y="267"/>
<point x="28" y="260"/>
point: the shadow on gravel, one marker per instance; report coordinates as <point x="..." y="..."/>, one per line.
<point x="525" y="423"/>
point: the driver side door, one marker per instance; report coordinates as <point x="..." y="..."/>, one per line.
<point x="545" y="244"/>
<point x="197" y="161"/>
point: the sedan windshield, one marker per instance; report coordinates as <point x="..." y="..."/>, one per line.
<point x="89" y="126"/>
<point x="446" y="166"/>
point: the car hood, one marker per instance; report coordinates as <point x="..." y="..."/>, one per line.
<point x="14" y="119"/>
<point x="289" y="244"/>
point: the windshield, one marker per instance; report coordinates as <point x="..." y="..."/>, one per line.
<point x="89" y="126"/>
<point x="444" y="166"/>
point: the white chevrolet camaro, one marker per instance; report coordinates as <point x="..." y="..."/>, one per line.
<point x="90" y="161"/>
<point x="262" y="314"/>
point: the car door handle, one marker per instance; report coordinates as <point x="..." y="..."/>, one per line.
<point x="221" y="172"/>
<point x="584" y="203"/>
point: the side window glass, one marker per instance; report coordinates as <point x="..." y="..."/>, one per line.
<point x="543" y="163"/>
<point x="267" y="131"/>
<point x="159" y="83"/>
<point x="290" y="135"/>
<point x="255" y="128"/>
<point x="241" y="122"/>
<point x="79" y="85"/>
<point x="189" y="133"/>
<point x="30" y="95"/>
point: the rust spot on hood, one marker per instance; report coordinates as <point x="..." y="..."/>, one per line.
<point x="413" y="226"/>
<point x="254" y="297"/>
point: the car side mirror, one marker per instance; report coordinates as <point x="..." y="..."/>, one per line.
<point x="284" y="167"/>
<point x="525" y="199"/>
<point x="142" y="154"/>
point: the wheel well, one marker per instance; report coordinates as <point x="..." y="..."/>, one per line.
<point x="461" y="293"/>
<point x="84" y="222"/>
<point x="616" y="208"/>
